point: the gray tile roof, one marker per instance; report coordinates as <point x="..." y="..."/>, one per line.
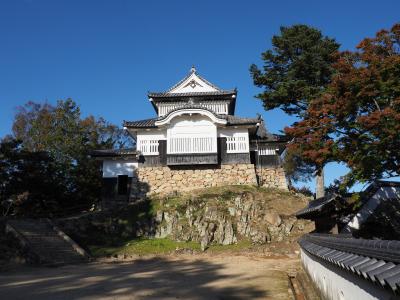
<point x="314" y="208"/>
<point x="168" y="93"/>
<point x="193" y="71"/>
<point x="191" y="94"/>
<point x="327" y="203"/>
<point x="271" y="137"/>
<point x="231" y="120"/>
<point x="234" y="120"/>
<point x="113" y="152"/>
<point x="377" y="261"/>
<point x="375" y="186"/>
<point x="147" y="123"/>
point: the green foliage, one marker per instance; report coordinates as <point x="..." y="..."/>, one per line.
<point x="47" y="160"/>
<point x="29" y="180"/>
<point x="146" y="246"/>
<point x="296" y="168"/>
<point x="302" y="190"/>
<point x="296" y="70"/>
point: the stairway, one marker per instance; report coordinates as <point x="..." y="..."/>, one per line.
<point x="45" y="243"/>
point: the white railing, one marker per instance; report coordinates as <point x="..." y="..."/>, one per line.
<point x="217" y="107"/>
<point x="148" y="147"/>
<point x="182" y="145"/>
<point x="267" y="151"/>
<point x="236" y="144"/>
<point x="165" y="108"/>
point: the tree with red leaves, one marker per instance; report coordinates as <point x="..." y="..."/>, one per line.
<point x="357" y="120"/>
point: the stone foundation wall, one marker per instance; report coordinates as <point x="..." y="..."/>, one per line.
<point x="165" y="180"/>
<point x="273" y="177"/>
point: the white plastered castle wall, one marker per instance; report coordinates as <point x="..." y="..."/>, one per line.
<point x="114" y="168"/>
<point x="151" y="134"/>
<point x="190" y="127"/>
<point x="185" y="133"/>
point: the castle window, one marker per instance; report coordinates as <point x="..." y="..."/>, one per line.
<point x="148" y="147"/>
<point x="267" y="150"/>
<point x="237" y="144"/>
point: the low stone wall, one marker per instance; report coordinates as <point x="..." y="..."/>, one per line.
<point x="273" y="177"/>
<point x="165" y="180"/>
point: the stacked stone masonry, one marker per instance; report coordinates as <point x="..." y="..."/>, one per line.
<point x="272" y="177"/>
<point x="165" y="180"/>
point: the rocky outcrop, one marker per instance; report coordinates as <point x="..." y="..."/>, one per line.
<point x="224" y="221"/>
<point x="222" y="215"/>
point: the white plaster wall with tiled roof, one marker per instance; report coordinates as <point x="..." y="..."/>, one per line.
<point x="115" y="168"/>
<point x="193" y="133"/>
<point x="147" y="141"/>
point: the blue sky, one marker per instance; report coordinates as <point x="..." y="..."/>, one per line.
<point x="106" y="55"/>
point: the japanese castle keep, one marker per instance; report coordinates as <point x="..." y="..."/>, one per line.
<point x="195" y="141"/>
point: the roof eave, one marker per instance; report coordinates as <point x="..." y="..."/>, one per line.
<point x="104" y="154"/>
<point x="153" y="104"/>
<point x="141" y="127"/>
<point x="166" y="95"/>
<point x="243" y="124"/>
<point x="129" y="125"/>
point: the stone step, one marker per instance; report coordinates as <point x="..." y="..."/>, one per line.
<point x="46" y="242"/>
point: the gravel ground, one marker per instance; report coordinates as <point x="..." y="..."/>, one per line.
<point x="210" y="277"/>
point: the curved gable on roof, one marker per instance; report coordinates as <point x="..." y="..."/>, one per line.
<point x="190" y="110"/>
<point x="230" y="120"/>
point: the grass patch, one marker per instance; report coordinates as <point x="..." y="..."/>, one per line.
<point x="143" y="246"/>
<point x="241" y="245"/>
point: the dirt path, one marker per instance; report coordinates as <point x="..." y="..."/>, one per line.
<point x="176" y="277"/>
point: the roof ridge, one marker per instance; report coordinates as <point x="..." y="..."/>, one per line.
<point x="180" y="81"/>
<point x="193" y="71"/>
<point x="209" y="83"/>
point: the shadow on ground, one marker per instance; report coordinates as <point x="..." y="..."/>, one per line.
<point x="153" y="278"/>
